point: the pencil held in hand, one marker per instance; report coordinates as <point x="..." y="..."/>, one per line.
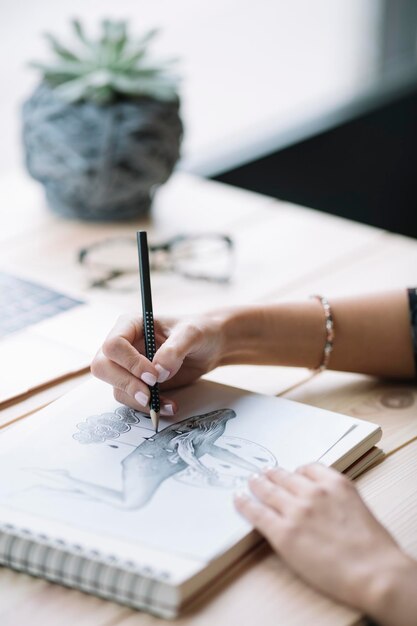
<point x="148" y="323"/>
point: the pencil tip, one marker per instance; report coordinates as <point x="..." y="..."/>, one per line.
<point x="155" y="419"/>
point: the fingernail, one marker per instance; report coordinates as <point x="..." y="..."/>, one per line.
<point x="163" y="373"/>
<point x="168" y="409"/>
<point x="141" y="398"/>
<point x="148" y="378"/>
<point x="269" y="467"/>
<point x="241" y="495"/>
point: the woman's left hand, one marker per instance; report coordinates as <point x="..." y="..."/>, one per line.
<point x="317" y="522"/>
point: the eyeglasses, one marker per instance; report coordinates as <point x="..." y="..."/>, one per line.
<point x="112" y="263"/>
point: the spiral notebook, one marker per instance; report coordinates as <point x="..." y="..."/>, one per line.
<point x="93" y="499"/>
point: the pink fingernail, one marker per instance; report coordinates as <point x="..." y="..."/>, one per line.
<point x="148" y="378"/>
<point x="141" y="398"/>
<point x="168" y="409"/>
<point x="163" y="373"/>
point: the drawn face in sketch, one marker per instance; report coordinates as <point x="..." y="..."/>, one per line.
<point x="189" y="450"/>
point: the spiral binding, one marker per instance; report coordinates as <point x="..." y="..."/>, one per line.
<point x="74" y="566"/>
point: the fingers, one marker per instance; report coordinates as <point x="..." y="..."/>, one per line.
<point x="120" y="378"/>
<point x="292" y="482"/>
<point x="168" y="406"/>
<point x="127" y="326"/>
<point x="288" y="492"/>
<point x="292" y="508"/>
<point x="319" y="473"/>
<point x="119" y="349"/>
<point x="270" y="494"/>
<point x="127" y="388"/>
<point x="267" y="521"/>
<point x="184" y="339"/>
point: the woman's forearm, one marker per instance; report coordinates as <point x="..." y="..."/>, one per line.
<point x="372" y="335"/>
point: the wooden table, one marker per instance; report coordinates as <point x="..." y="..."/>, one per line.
<point x="282" y="252"/>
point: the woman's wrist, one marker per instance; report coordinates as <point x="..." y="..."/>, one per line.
<point x="390" y="596"/>
<point x="290" y="334"/>
<point x="235" y="331"/>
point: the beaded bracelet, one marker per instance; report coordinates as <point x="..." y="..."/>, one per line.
<point x="329" y="325"/>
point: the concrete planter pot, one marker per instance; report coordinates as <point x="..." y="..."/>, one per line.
<point x="97" y="162"/>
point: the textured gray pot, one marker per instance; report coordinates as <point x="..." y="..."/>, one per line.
<point x="100" y="162"/>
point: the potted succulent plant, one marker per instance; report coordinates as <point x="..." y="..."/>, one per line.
<point x="102" y="130"/>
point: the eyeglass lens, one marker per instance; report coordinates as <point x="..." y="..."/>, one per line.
<point x="113" y="263"/>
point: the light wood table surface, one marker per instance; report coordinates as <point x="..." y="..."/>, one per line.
<point x="282" y="252"/>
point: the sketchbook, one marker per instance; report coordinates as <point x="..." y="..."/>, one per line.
<point x="93" y="499"/>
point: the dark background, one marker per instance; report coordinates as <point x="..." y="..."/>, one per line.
<point x="364" y="168"/>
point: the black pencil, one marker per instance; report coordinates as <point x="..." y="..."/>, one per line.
<point x="148" y="325"/>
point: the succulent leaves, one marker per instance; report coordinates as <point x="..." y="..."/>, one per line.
<point x="112" y="67"/>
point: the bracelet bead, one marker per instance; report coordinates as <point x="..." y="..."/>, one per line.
<point x="330" y="335"/>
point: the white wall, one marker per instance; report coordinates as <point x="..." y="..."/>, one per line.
<point x="249" y="66"/>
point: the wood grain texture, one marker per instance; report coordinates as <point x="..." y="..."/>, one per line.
<point x="391" y="405"/>
<point x="276" y="244"/>
<point x="390" y="489"/>
<point x="386" y="264"/>
<point x="34" y="401"/>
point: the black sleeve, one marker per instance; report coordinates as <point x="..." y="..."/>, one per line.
<point x="412" y="301"/>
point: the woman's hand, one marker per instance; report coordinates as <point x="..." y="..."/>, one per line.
<point x="317" y="522"/>
<point x="187" y="349"/>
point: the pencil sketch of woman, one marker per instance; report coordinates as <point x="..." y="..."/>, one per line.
<point x="157" y="458"/>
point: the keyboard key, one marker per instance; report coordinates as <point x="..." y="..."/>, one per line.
<point x="23" y="303"/>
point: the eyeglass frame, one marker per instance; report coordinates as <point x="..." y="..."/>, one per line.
<point x="167" y="246"/>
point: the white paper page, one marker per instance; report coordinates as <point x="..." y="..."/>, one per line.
<point x="171" y="492"/>
<point x="43" y="361"/>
